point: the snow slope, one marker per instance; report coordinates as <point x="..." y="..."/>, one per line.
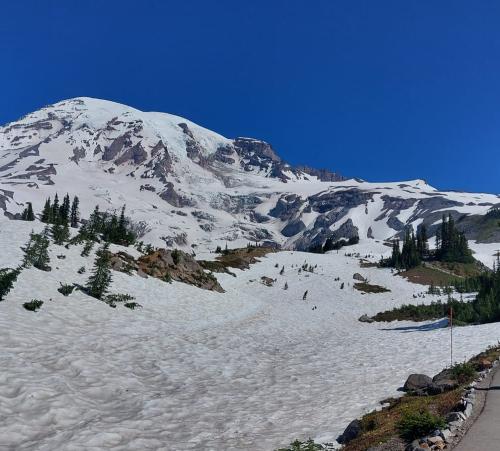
<point x="248" y="369"/>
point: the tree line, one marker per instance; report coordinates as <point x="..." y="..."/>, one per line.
<point x="451" y="246"/>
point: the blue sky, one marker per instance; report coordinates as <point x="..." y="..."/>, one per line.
<point x="382" y="90"/>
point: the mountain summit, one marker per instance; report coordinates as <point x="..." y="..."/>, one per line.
<point x="194" y="187"/>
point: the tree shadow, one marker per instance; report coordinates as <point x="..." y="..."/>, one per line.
<point x="442" y="323"/>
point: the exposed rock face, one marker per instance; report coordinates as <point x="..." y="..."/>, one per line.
<point x="324" y="175"/>
<point x="321" y="232"/>
<point x="117" y="146"/>
<point x="174" y="199"/>
<point x="339" y="200"/>
<point x="293" y="228"/>
<point x="287" y="207"/>
<point x="165" y="264"/>
<point x="256" y="155"/>
<point x="236" y="204"/>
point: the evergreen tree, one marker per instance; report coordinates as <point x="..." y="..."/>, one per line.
<point x="98" y="283"/>
<point x="422" y="241"/>
<point x="36" y="251"/>
<point x="396" y="255"/>
<point x="7" y="278"/>
<point x="451" y="244"/>
<point x="27" y="214"/>
<point x="409" y="254"/>
<point x="74" y="214"/>
<point x="55" y="210"/>
<point x="64" y="210"/>
<point x="47" y="212"/>
<point x="60" y="233"/>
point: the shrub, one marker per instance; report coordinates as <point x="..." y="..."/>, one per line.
<point x="176" y="256"/>
<point x="113" y="299"/>
<point x="463" y="373"/>
<point x="66" y="289"/>
<point x="297" y="445"/>
<point x="33" y="305"/>
<point x="414" y="425"/>
<point x="81" y="270"/>
<point x="132" y="305"/>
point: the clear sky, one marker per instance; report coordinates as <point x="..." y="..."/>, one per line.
<point x="382" y="90"/>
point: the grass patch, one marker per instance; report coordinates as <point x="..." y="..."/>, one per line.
<point x="426" y="275"/>
<point x="240" y="258"/>
<point x="442" y="273"/>
<point x="366" y="287"/>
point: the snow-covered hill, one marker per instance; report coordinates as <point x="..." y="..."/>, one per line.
<point x="195" y="187"/>
<point x="249" y="369"/>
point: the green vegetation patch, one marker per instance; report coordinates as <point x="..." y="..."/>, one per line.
<point x="366" y="287"/>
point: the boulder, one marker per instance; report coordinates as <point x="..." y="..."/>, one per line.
<point x="350" y="433"/>
<point x="445" y="380"/>
<point x="358" y="276"/>
<point x="484" y="364"/>
<point x="454" y="416"/>
<point x="416" y="382"/>
<point x="366" y="319"/>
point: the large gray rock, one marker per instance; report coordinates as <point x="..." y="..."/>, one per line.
<point x="350" y="433"/>
<point x="417" y="382"/>
<point x="445" y="380"/>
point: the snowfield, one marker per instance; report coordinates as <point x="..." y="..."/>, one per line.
<point x="250" y="369"/>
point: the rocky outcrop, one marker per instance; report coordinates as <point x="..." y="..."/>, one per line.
<point x="287" y="207"/>
<point x="168" y="265"/>
<point x="325" y="175"/>
<point x="317" y="236"/>
<point x="173" y="198"/>
<point x="117" y="146"/>
<point x="293" y="228"/>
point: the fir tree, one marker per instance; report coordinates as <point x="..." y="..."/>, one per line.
<point x="451" y="244"/>
<point x="60" y="233"/>
<point x="36" y="251"/>
<point x="64" y="210"/>
<point x="55" y="210"/>
<point x="74" y="214"/>
<point x="422" y="243"/>
<point x="47" y="212"/>
<point x="98" y="283"/>
<point x="27" y="214"/>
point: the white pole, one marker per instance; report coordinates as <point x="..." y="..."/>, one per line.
<point x="451" y="336"/>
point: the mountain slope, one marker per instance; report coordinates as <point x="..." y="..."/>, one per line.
<point x="194" y="187"/>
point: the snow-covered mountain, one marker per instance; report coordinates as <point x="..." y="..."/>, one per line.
<point x="194" y="187"/>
